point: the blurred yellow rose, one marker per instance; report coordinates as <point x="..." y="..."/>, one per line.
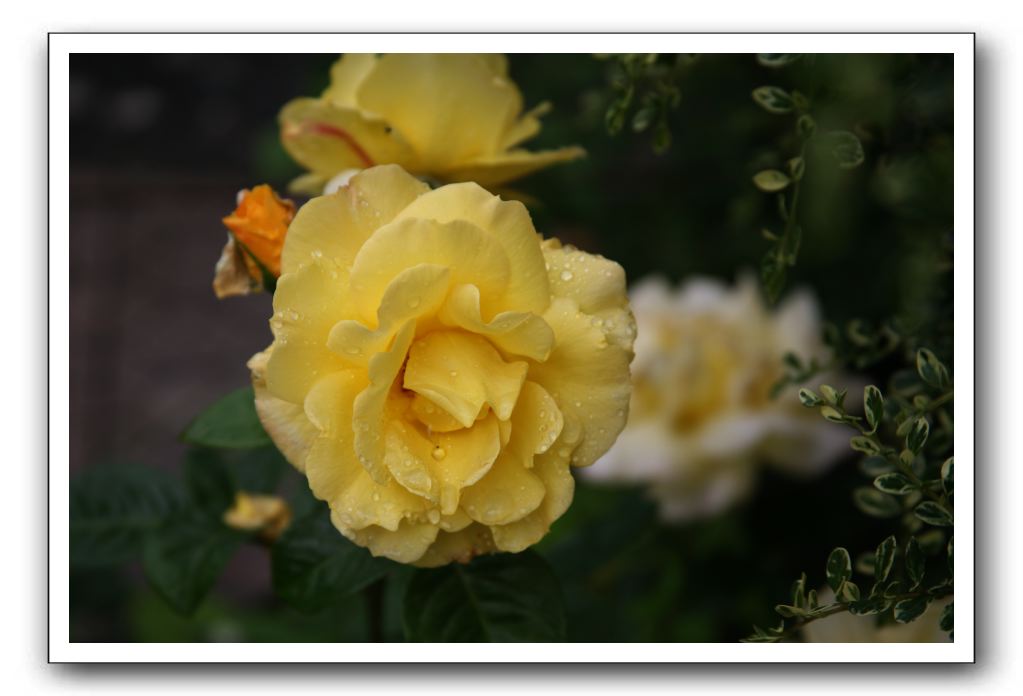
<point x="702" y="417"/>
<point x="436" y="367"/>
<point x="449" y="116"/>
<point x="257" y="227"/>
<point x="269" y="515"/>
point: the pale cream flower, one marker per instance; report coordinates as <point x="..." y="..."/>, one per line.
<point x="702" y="418"/>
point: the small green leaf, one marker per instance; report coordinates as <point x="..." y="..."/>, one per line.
<point x="932" y="513"/>
<point x="501" y="598"/>
<point x="773" y="99"/>
<point x="845" y="148"/>
<point x="947" y="476"/>
<point x="832" y="414"/>
<point x="839" y="568"/>
<point x="805" y="126"/>
<point x="113" y="508"/>
<point x="875" y="503"/>
<point x="884" y="558"/>
<point x="908" y="610"/>
<point x="848" y="592"/>
<point x="799" y="591"/>
<point x="916" y="564"/>
<point x="831" y="395"/>
<point x="945" y="623"/>
<point x="777" y="60"/>
<point x="808" y="398"/>
<point x="230" y="423"/>
<point x="873" y="407"/>
<point x="931" y="370"/>
<point x="184" y="558"/>
<point x="875" y="466"/>
<point x="642" y="119"/>
<point x="797" y="167"/>
<point x="865" y="445"/>
<point x="789" y="612"/>
<point x="771" y="180"/>
<point x="314" y="566"/>
<point x="894" y="484"/>
<point x="917" y="436"/>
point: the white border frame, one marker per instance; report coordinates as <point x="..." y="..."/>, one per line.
<point x="62" y="45"/>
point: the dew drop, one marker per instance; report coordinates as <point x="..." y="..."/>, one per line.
<point x="439" y="453"/>
<point x="317" y="254"/>
<point x="434" y="516"/>
<point x="413" y="303"/>
<point x="353" y="350"/>
<point x="453" y="373"/>
<point x="566" y="275"/>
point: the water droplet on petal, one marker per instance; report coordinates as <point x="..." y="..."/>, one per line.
<point x="439" y="453"/>
<point x="566" y="276"/>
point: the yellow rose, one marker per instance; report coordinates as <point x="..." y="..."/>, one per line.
<point x="436" y="367"/>
<point x="449" y="116"/>
<point x="258" y="226"/>
<point x="702" y="415"/>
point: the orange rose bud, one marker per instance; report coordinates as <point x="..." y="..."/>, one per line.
<point x="260" y="223"/>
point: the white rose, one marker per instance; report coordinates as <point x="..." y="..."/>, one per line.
<point x="701" y="417"/>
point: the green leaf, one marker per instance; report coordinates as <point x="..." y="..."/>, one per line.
<point x="773" y="99"/>
<point x="865" y="445"/>
<point x="832" y="395"/>
<point x="314" y="566"/>
<point x="799" y="591"/>
<point x="931" y="370"/>
<point x="884" y="558"/>
<point x="848" y="592"/>
<point x="845" y="148"/>
<point x="789" y="612"/>
<point x="875" y="503"/>
<point x="797" y="167"/>
<point x="908" y="610"/>
<point x="917" y="436"/>
<point x="771" y="180"/>
<point x="894" y="484"/>
<point x="209" y="481"/>
<point x="808" y="398"/>
<point x="502" y="598"/>
<point x="642" y="119"/>
<point x="875" y="466"/>
<point x="932" y="513"/>
<point x="947" y="476"/>
<point x="839" y="568"/>
<point x="230" y="423"/>
<point x="916" y="564"/>
<point x="113" y="508"/>
<point x="832" y="414"/>
<point x="805" y="126"/>
<point x="945" y="623"/>
<point x="777" y="60"/>
<point x="183" y="559"/>
<point x="873" y="406"/>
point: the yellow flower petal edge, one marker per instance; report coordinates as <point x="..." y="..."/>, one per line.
<point x="447" y="116"/>
<point x="437" y="368"/>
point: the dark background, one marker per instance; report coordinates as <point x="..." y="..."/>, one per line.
<point x="161" y="143"/>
